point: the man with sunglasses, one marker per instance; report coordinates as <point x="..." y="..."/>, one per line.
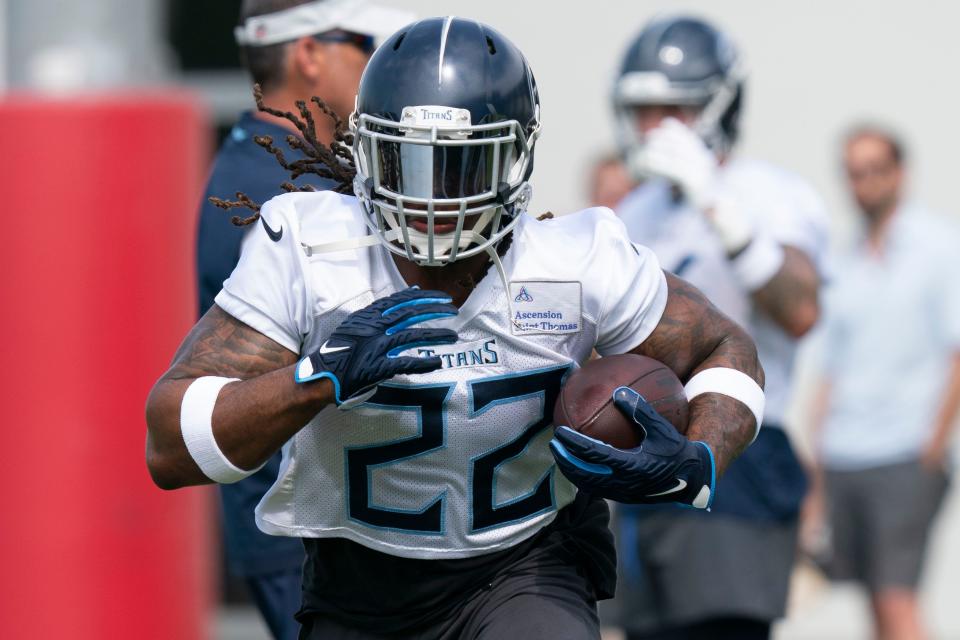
<point x="294" y="50"/>
<point x="889" y="390"/>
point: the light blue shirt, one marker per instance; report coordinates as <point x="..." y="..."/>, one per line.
<point x="891" y="324"/>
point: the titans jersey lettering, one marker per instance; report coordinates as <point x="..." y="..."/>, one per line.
<point x="452" y="463"/>
<point x="475" y="354"/>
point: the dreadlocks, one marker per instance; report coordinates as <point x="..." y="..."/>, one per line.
<point x="333" y="161"/>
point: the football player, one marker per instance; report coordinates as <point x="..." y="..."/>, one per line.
<point x="752" y="237"/>
<point x="406" y="346"/>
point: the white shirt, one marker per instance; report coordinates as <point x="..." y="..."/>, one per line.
<point x="892" y="322"/>
<point x="781" y="205"/>
<point x="453" y="463"/>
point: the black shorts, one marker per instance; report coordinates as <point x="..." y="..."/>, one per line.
<point x="545" y="587"/>
<point x="697" y="566"/>
<point x="681" y="566"/>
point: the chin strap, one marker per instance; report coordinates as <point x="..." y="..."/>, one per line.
<point x="495" y="258"/>
<point x="392" y="234"/>
<point x="349" y="243"/>
<point x="370" y="240"/>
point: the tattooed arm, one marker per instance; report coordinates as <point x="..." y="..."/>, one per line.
<point x="252" y="419"/>
<point x="790" y="297"/>
<point x="693" y="335"/>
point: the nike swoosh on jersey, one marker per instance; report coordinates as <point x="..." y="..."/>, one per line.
<point x="324" y="349"/>
<point x="274" y="235"/>
<point x="681" y="485"/>
<point x="684" y="264"/>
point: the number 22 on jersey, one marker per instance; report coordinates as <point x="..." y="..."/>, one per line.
<point x="431" y="406"/>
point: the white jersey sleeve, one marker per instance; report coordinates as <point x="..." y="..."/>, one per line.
<point x="267" y="289"/>
<point x="784" y="206"/>
<point x="625" y="290"/>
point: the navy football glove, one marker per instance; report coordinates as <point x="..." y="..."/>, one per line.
<point x="364" y="350"/>
<point x="665" y="467"/>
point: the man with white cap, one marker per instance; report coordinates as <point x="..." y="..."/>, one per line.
<point x="294" y="49"/>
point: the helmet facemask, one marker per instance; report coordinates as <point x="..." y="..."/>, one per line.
<point x="436" y="188"/>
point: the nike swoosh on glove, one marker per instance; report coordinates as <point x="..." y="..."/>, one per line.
<point x="666" y="467"/>
<point x="365" y="349"/>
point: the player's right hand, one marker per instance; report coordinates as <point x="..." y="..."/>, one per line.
<point x="666" y="467"/>
<point x="365" y="349"/>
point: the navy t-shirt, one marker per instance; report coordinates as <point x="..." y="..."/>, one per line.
<point x="243" y="165"/>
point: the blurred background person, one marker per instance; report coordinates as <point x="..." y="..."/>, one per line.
<point x="753" y="238"/>
<point x="609" y="181"/>
<point x="294" y="49"/>
<point x="890" y="388"/>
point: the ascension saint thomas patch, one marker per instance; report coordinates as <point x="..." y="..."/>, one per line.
<point x="545" y="307"/>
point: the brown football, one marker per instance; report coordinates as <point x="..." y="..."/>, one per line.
<point x="586" y="400"/>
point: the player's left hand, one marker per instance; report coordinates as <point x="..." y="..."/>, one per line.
<point x="366" y="348"/>
<point x="675" y="152"/>
<point x="665" y="467"/>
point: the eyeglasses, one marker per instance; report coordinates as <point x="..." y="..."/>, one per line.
<point x="870" y="170"/>
<point x="363" y="42"/>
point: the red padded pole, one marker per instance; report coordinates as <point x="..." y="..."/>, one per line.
<point x="99" y="198"/>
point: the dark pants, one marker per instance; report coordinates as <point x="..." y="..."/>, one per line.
<point x="271" y="566"/>
<point x="535" y="601"/>
<point x="689" y="574"/>
<point x="277" y="596"/>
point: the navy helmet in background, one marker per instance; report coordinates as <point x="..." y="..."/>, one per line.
<point x="681" y="61"/>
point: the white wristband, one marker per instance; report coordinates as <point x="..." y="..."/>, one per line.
<point x="732" y="383"/>
<point x="734" y="229"/>
<point x="196" y="426"/>
<point x="758" y="262"/>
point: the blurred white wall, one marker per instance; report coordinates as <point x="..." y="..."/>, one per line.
<point x="58" y="47"/>
<point x="3" y="45"/>
<point x="815" y="67"/>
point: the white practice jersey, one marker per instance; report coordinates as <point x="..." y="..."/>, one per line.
<point x="456" y="462"/>
<point x="779" y="203"/>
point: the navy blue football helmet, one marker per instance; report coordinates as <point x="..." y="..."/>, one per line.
<point x="687" y="62"/>
<point x="445" y="124"/>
